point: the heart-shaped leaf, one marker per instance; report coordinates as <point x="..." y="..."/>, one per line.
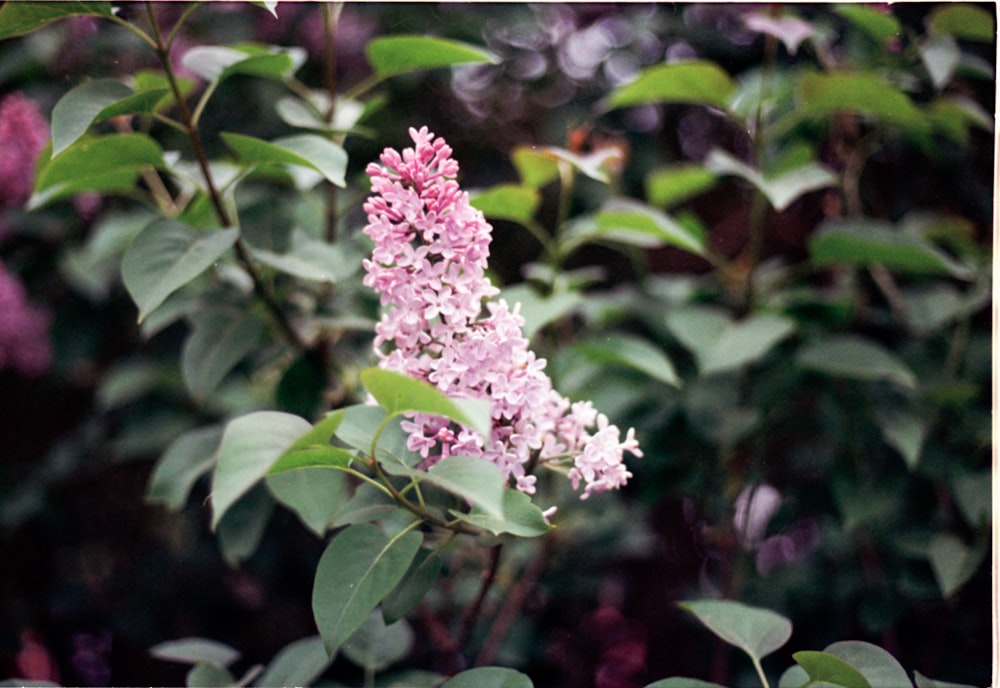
<point x="756" y="631"/>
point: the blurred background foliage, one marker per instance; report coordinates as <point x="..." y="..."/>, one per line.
<point x="815" y="403"/>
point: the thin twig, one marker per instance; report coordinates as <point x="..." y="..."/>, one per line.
<point x="472" y="614"/>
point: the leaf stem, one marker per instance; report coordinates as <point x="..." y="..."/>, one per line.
<point x="760" y="671"/>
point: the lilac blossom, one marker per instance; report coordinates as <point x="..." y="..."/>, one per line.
<point x="754" y="508"/>
<point x="23" y="134"/>
<point x="24" y="343"/>
<point x="443" y="325"/>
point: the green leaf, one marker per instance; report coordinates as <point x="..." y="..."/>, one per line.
<point x="683" y="682"/>
<point x="793" y="677"/>
<point x="925" y="682"/>
<point x="903" y="430"/>
<point x="251" y="445"/>
<point x="855" y="357"/>
<point x="694" y="81"/>
<point x="507" y="202"/>
<point x="640" y="225"/>
<point x="242" y="526"/>
<point x="697" y="327"/>
<point x="631" y="352"/>
<point x="756" y="631"/>
<point x="105" y="164"/>
<point x="215" y="63"/>
<point x="489" y="677"/>
<point x="781" y="190"/>
<point x="93" y="102"/>
<point x="392" y="55"/>
<point x="474" y="479"/>
<point x="940" y="55"/>
<point x="19" y="18"/>
<point x="314" y="494"/>
<point x="744" y="342"/>
<point x="219" y="339"/>
<point x="534" y="166"/>
<point x="830" y="669"/>
<point x="675" y="184"/>
<point x="521" y="517"/>
<point x="189" y="457"/>
<point x="419" y="579"/>
<point x="877" y="666"/>
<point x="376" y="646"/>
<point x="953" y="115"/>
<point x="881" y="26"/>
<point x="537" y="310"/>
<point x="863" y="93"/>
<point x="167" y="255"/>
<point x="313" y="449"/>
<point x="953" y="562"/>
<point x="972" y="493"/>
<point x="303" y="150"/>
<point x="963" y="21"/>
<point x="357" y="570"/>
<point x="195" y="651"/>
<point x="297" y="664"/>
<point x="867" y="242"/>
<point x="398" y="393"/>
<point x="207" y="676"/>
<point x="310" y="259"/>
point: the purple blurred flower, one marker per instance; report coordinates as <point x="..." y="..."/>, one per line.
<point x="754" y="508"/>
<point x="788" y="548"/>
<point x="24" y="343"/>
<point x="23" y="133"/>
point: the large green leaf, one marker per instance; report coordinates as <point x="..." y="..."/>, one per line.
<point x="827" y="669"/>
<point x="303" y="150"/>
<point x="538" y="310"/>
<point x="297" y="664"/>
<point x="215" y="63"/>
<point x="781" y="190"/>
<point x="219" y="339"/>
<point x="242" y="526"/>
<point x="877" y="666"/>
<point x="314" y="494"/>
<point x="310" y="259"/>
<point x="104" y="164"/>
<point x="756" y="631"/>
<point x="422" y="575"/>
<point x="251" y="444"/>
<point x="167" y="255"/>
<point x="507" y="202"/>
<point x="93" y="102"/>
<point x="357" y="570"/>
<point x="671" y="185"/>
<point x="19" y="18"/>
<point x="398" y="393"/>
<point x="864" y="93"/>
<point x="881" y="26"/>
<point x="631" y="352"/>
<point x="855" y="357"/>
<point x="744" y="342"/>
<point x="474" y="479"/>
<point x="489" y="677"/>
<point x="964" y="21"/>
<point x="313" y="449"/>
<point x="863" y="241"/>
<point x="521" y="517"/>
<point x="640" y="225"/>
<point x="376" y="645"/>
<point x="693" y="81"/>
<point x="392" y="55"/>
<point x="195" y="651"/>
<point x="189" y="457"/>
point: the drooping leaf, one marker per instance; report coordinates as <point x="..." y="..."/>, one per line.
<point x="167" y="255"/>
<point x="297" y="664"/>
<point x="855" y="357"/>
<point x="507" y="202"/>
<point x="781" y="190"/>
<point x="314" y="494"/>
<point x="195" y="651"/>
<point x="102" y="164"/>
<point x="692" y="81"/>
<point x="357" y="570"/>
<point x="675" y="184"/>
<point x="744" y="342"/>
<point x="189" y="457"/>
<point x="303" y="150"/>
<point x="93" y="102"/>
<point x="419" y="579"/>
<point x="867" y="242"/>
<point x="251" y="444"/>
<point x="219" y="339"/>
<point x="376" y="645"/>
<point x="963" y="21"/>
<point x="877" y="666"/>
<point x="489" y="677"/>
<point x="631" y="352"/>
<point x="905" y="431"/>
<point x="215" y="63"/>
<point x="973" y="496"/>
<point x="398" y="393"/>
<point x="640" y="225"/>
<point x="392" y="55"/>
<point x="863" y="93"/>
<point x="19" y="18"/>
<point x="756" y="631"/>
<point x="829" y="669"/>
<point x="953" y="562"/>
<point x="697" y="327"/>
<point x="474" y="479"/>
<point x="310" y="259"/>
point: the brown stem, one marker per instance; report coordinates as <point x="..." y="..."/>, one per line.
<point x="472" y="614"/>
<point x="330" y="18"/>
<point x="242" y="252"/>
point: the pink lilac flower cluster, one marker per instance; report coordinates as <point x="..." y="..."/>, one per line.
<point x="24" y="343"/>
<point x="428" y="265"/>
<point x="23" y="134"/>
